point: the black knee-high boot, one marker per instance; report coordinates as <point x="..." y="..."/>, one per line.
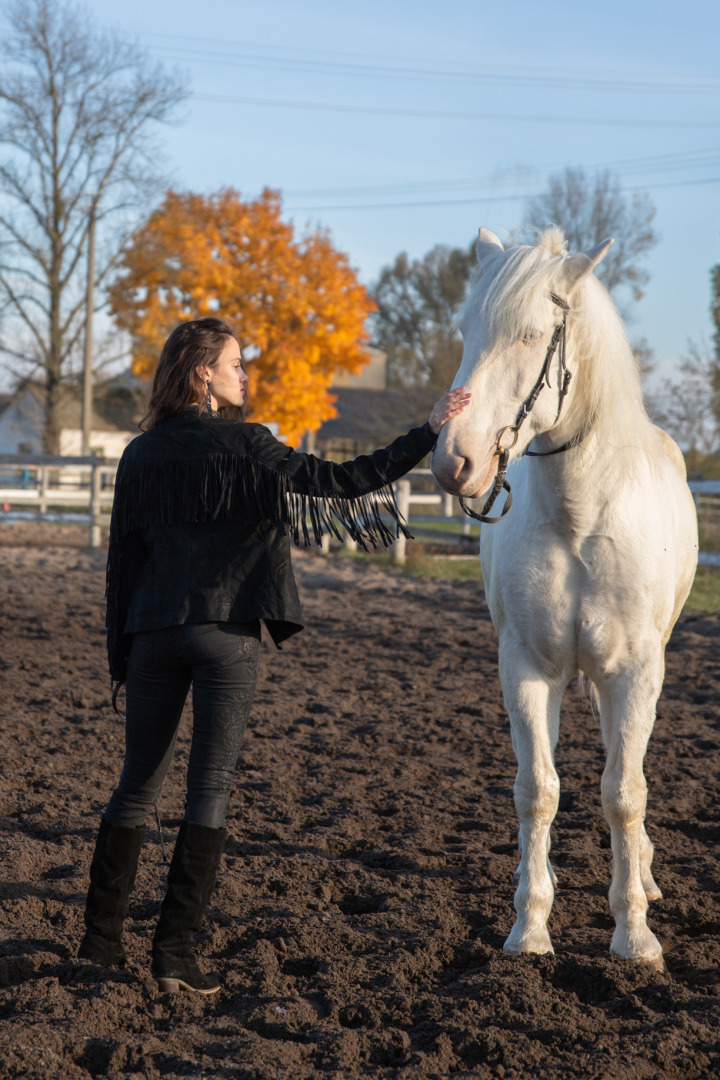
<point x="191" y="878"/>
<point x="112" y="873"/>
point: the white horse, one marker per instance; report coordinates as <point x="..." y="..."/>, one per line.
<point x="590" y="568"/>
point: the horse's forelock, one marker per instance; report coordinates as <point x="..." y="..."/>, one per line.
<point x="509" y="288"/>
<point x="552" y="241"/>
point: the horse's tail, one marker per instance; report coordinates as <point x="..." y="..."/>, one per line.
<point x="588" y="690"/>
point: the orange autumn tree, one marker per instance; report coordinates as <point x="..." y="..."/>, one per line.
<point x="296" y="301"/>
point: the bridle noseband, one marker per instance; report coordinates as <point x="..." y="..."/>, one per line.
<point x="503" y="452"/>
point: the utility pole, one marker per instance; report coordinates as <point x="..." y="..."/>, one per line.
<point x="87" y="372"/>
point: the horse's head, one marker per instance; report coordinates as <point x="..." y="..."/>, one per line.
<point x="507" y="325"/>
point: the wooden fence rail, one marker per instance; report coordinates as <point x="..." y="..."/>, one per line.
<point x="46" y="480"/>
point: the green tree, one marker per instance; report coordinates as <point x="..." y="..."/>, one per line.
<point x="78" y="111"/>
<point x="417" y="302"/>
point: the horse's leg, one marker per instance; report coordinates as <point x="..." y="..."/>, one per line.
<point x="627" y="715"/>
<point x="647" y="850"/>
<point x="533" y="705"/>
<point x="550" y="867"/>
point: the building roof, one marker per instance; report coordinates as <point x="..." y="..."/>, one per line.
<point x="373" y="375"/>
<point x="118" y="405"/>
<point x="378" y="416"/>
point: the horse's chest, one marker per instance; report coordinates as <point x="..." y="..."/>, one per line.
<point x="553" y="585"/>
<point x="573" y="603"/>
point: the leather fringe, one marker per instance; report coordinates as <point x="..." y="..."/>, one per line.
<point x="226" y="487"/>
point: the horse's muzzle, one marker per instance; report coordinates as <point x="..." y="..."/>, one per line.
<point x="462" y="476"/>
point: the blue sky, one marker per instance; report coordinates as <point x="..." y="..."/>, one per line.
<point x="400" y="125"/>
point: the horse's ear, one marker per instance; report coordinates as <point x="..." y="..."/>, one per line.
<point x="579" y="266"/>
<point x="487" y="241"/>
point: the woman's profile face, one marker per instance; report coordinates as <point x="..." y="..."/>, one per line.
<point x="227" y="378"/>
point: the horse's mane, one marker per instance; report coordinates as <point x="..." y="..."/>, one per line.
<point x="509" y="292"/>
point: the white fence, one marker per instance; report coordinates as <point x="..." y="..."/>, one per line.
<point x="39" y="483"/>
<point x="707" y="488"/>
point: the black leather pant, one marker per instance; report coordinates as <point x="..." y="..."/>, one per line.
<point x="221" y="662"/>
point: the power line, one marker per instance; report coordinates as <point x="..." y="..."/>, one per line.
<point x="452" y="62"/>
<point x="704" y="158"/>
<point x="430" y="114"/>
<point x="435" y="75"/>
<point x="501" y="197"/>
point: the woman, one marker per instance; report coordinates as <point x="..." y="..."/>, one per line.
<point x="199" y="554"/>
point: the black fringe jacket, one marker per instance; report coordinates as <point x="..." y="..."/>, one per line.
<point x="203" y="513"/>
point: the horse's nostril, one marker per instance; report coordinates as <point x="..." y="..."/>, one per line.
<point x="452" y="471"/>
<point x="465" y="470"/>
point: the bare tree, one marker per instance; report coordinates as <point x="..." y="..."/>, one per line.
<point x="643" y="354"/>
<point x="78" y="110"/>
<point x="685" y="406"/>
<point x="591" y="210"/>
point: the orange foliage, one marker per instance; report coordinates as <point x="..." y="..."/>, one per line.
<point x="297" y="301"/>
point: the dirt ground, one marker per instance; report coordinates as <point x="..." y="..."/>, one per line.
<point x="367" y="885"/>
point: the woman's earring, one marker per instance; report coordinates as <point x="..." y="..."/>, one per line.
<point x="208" y="397"/>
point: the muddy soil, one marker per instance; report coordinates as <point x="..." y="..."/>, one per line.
<point x="367" y="888"/>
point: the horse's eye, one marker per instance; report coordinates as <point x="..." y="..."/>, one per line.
<point x="531" y="336"/>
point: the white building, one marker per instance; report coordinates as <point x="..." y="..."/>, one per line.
<point x="118" y="407"/>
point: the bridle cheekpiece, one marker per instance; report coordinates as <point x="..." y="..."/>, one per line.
<point x="512" y="431"/>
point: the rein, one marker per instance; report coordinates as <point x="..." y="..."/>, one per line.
<point x="503" y="452"/>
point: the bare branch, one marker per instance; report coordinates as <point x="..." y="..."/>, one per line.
<point x="17" y="302"/>
<point x="78" y="108"/>
<point x="685" y="405"/>
<point x="592" y="210"/>
<point x="23" y="270"/>
<point x="20" y="356"/>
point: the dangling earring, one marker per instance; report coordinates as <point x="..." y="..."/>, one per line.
<point x="208" y="397"/>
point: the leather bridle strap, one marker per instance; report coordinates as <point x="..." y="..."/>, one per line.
<point x="558" y="339"/>
<point x="498" y="485"/>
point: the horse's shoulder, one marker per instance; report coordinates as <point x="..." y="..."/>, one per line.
<point x="672" y="450"/>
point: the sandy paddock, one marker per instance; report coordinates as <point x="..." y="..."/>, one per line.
<point x="366" y="888"/>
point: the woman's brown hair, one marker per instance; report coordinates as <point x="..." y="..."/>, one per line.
<point x="177" y="384"/>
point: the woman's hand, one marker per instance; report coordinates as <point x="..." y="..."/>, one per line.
<point x="450" y="404"/>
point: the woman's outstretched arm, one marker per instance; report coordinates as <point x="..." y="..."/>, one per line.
<point x="310" y="475"/>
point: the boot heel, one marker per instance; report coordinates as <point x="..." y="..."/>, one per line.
<point x="191" y="878"/>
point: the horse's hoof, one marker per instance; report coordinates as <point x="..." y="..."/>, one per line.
<point x="658" y="963"/>
<point x="535" y="940"/>
<point x="653" y="893"/>
<point x="641" y="948"/>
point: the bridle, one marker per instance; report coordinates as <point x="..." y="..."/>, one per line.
<point x="503" y="452"/>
